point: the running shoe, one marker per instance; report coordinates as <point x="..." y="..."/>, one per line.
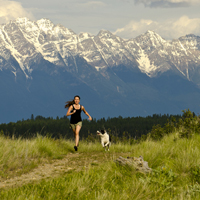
<point x="75" y="148"/>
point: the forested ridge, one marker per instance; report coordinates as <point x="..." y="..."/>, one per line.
<point x="133" y="127"/>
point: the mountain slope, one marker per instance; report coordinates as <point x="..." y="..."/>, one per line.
<point x="43" y="65"/>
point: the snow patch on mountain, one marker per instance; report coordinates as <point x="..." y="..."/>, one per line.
<point x="145" y="65"/>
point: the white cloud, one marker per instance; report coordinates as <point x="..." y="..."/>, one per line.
<point x="170" y="29"/>
<point x="135" y="28"/>
<point x="167" y="3"/>
<point x="11" y="10"/>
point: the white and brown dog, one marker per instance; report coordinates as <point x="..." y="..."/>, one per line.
<point x="105" y="139"/>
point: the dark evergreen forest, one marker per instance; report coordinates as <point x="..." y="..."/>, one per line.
<point x="118" y="127"/>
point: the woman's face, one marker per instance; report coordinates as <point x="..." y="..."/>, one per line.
<point x="76" y="100"/>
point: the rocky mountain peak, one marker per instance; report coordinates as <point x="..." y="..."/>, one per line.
<point x="45" y="24"/>
<point x="84" y="36"/>
<point x="22" y="20"/>
<point x="189" y="37"/>
<point x="105" y="33"/>
<point x="61" y="29"/>
<point x="151" y="38"/>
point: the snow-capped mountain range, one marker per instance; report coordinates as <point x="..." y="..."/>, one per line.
<point x="25" y="40"/>
<point x="107" y="64"/>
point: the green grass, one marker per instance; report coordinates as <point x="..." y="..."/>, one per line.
<point x="175" y="163"/>
<point x="19" y="156"/>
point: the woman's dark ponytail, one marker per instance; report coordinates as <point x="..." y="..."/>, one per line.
<point x="69" y="103"/>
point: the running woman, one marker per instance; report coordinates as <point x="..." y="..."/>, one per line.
<point x="74" y="110"/>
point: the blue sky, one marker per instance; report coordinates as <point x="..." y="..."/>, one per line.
<point x="126" y="18"/>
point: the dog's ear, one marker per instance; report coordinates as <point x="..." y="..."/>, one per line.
<point x="102" y="131"/>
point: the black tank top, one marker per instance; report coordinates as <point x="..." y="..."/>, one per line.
<point x="76" y="117"/>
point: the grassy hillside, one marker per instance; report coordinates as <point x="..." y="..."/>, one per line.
<point x="92" y="173"/>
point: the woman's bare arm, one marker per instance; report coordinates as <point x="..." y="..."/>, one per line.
<point x="83" y="109"/>
<point x="69" y="111"/>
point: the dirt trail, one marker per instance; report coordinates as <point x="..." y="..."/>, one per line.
<point x="72" y="161"/>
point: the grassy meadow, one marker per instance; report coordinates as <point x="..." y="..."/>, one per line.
<point x="174" y="159"/>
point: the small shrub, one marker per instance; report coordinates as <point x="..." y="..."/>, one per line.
<point x="195" y="174"/>
<point x="162" y="177"/>
<point x="91" y="138"/>
<point x="185" y="133"/>
<point x="157" y="132"/>
<point x="188" y="125"/>
<point x="1" y="133"/>
<point x="169" y="126"/>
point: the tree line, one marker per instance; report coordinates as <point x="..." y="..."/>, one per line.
<point x="132" y="127"/>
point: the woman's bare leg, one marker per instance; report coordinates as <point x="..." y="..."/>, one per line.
<point x="74" y="131"/>
<point x="76" y="134"/>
